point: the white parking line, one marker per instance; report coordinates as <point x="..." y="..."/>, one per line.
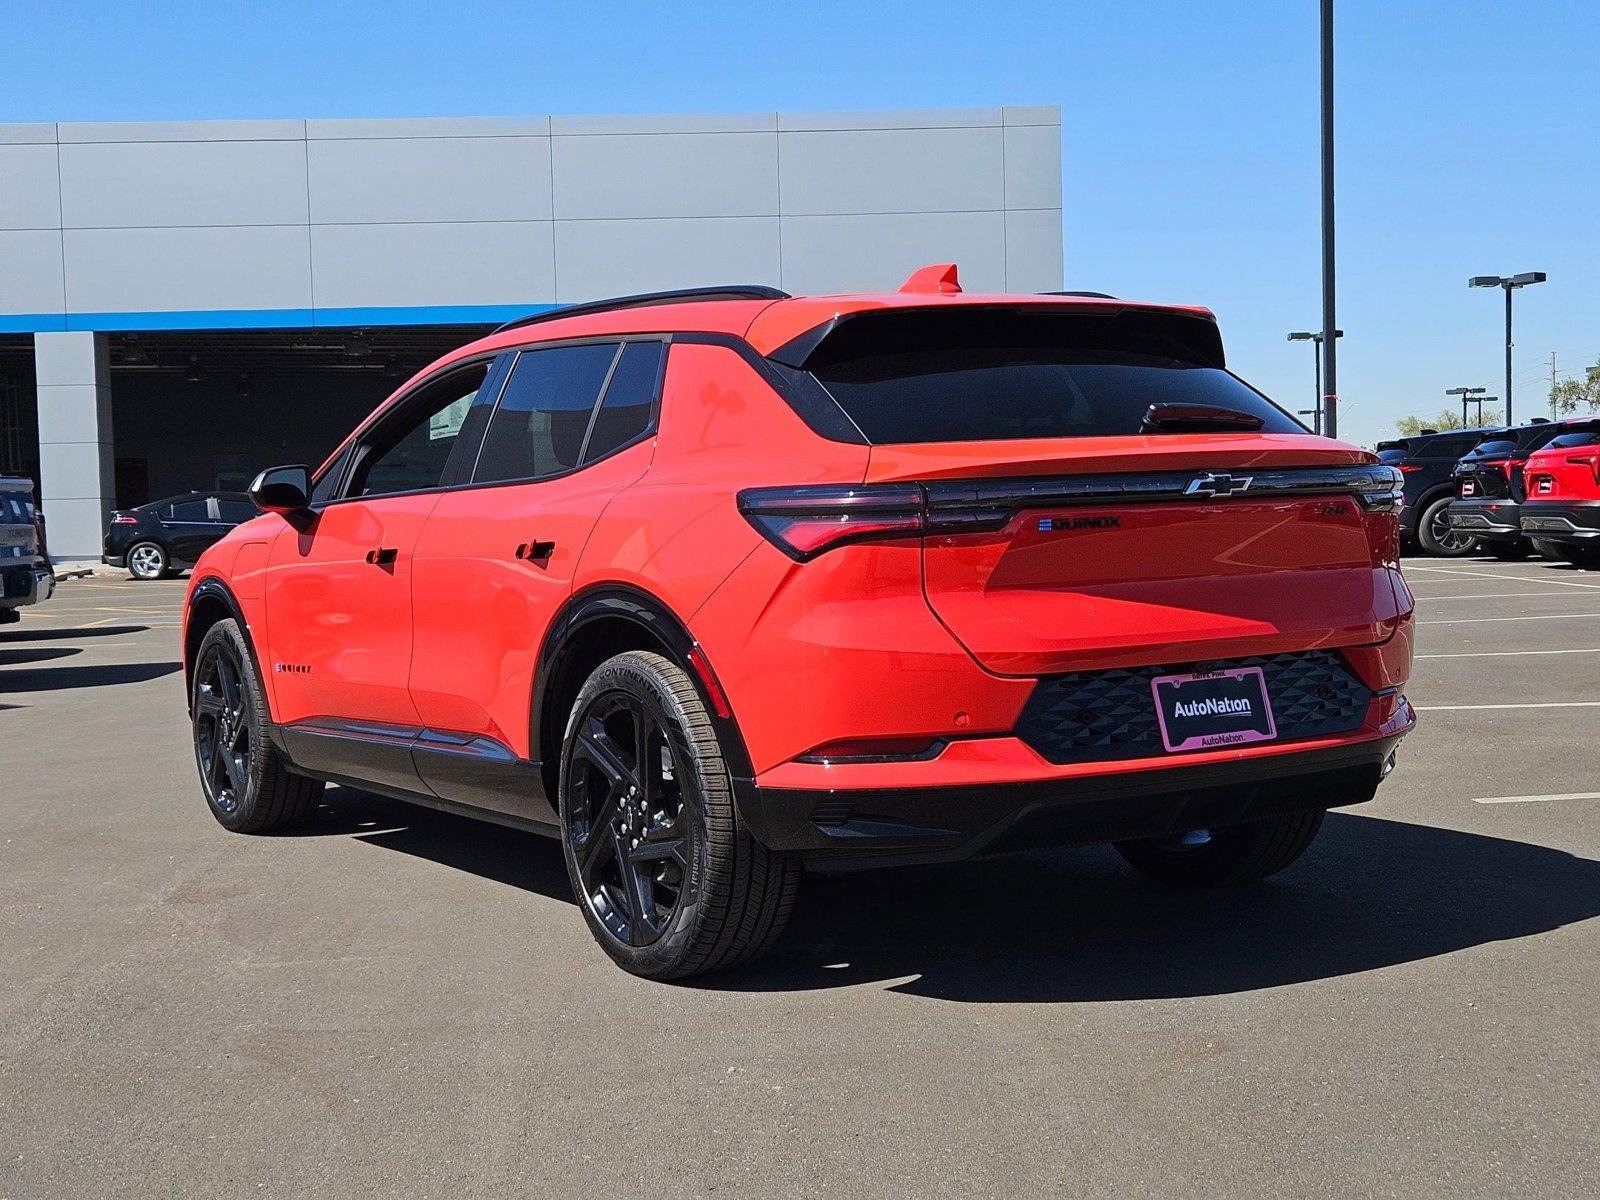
<point x="1492" y="596"/>
<point x="1505" y="653"/>
<point x="1488" y="707"/>
<point x="1536" y="799"/>
<point x="1510" y="578"/>
<point x="1486" y="620"/>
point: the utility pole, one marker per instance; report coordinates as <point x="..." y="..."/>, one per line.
<point x="1330" y="346"/>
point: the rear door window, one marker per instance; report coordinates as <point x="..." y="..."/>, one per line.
<point x="187" y="510"/>
<point x="540" y="425"/>
<point x="985" y="375"/>
<point x="236" y="511"/>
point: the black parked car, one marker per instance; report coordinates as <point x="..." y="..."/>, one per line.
<point x="1426" y="461"/>
<point x="1490" y="491"/>
<point x="155" y="539"/>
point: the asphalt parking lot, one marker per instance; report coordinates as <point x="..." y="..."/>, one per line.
<point x="401" y="1002"/>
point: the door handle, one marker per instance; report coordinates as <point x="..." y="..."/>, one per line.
<point x="382" y="556"/>
<point x="536" y="551"/>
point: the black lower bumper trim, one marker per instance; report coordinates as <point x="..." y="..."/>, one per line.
<point x="1562" y="522"/>
<point x="835" y="830"/>
<point x="1498" y="520"/>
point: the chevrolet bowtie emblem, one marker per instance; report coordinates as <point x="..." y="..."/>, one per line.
<point x="1217" y="483"/>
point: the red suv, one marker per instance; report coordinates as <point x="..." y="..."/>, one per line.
<point x="720" y="585"/>
<point x="1562" y="511"/>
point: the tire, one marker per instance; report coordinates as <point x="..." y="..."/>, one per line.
<point x="253" y="790"/>
<point x="1221" y="857"/>
<point x="147" y="560"/>
<point x="1506" y="551"/>
<point x="1549" y="550"/>
<point x="1435" y="536"/>
<point x="648" y="826"/>
<point x="10" y="616"/>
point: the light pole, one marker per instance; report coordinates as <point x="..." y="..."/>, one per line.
<point x="1316" y="344"/>
<point x="1330" y="390"/>
<point x="1510" y="284"/>
<point x="1464" y="393"/>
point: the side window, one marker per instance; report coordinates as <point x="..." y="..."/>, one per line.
<point x="236" y="511"/>
<point x="187" y="510"/>
<point x="1452" y="448"/>
<point x="539" y="426"/>
<point x="411" y="451"/>
<point x="630" y="399"/>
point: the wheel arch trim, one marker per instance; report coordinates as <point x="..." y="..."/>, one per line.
<point x="209" y="591"/>
<point x="621" y="601"/>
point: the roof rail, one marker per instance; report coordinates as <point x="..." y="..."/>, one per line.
<point x="1086" y="295"/>
<point x="737" y="291"/>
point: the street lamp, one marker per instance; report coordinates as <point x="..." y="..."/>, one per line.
<point x="1316" y="344"/>
<point x="1510" y="284"/>
<point x="1465" y="392"/>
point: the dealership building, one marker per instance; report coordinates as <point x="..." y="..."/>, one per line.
<point x="183" y="303"/>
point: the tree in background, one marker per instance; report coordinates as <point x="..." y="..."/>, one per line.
<point x="1574" y="395"/>
<point x="1411" y="426"/>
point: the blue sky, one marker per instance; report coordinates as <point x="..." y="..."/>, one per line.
<point x="1469" y="134"/>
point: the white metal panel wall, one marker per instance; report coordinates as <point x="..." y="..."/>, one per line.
<point x="300" y="217"/>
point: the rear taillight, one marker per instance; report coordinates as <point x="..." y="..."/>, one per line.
<point x="805" y="521"/>
<point x="1410" y="467"/>
<point x="1592" y="461"/>
<point x="124" y="519"/>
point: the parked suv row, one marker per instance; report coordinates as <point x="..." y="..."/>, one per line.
<point x="1426" y="462"/>
<point x="1561" y="512"/>
<point x="1491" y="487"/>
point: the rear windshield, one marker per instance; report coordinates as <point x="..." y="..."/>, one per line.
<point x="1495" y="448"/>
<point x="1392" y="456"/>
<point x="1587" y="437"/>
<point x="986" y="377"/>
<point x="16" y="507"/>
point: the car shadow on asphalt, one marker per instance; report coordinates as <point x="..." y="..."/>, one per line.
<point x="57" y="635"/>
<point x="1076" y="925"/>
<point x="51" y="679"/>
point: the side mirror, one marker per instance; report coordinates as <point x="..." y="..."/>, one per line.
<point x="282" y="489"/>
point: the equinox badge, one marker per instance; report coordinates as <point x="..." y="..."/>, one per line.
<point x="1217" y="483"/>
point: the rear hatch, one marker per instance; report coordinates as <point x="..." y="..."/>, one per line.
<point x="1101" y="491"/>
<point x="1491" y="470"/>
<point x="1568" y="469"/>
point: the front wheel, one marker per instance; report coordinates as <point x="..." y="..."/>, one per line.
<point x="1218" y="857"/>
<point x="1436" y="535"/>
<point x="669" y="882"/>
<point x="247" y="783"/>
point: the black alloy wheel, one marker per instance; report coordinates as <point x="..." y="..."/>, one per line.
<point x="1438" y="537"/>
<point x="248" y="784"/>
<point x="223" y="727"/>
<point x="669" y="881"/>
<point x="626" y="823"/>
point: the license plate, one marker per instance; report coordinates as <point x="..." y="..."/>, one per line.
<point x="1210" y="709"/>
<point x="15" y="535"/>
<point x="1468" y="488"/>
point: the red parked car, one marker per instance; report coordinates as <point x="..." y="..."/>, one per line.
<point x="1562" y="511"/>
<point x="720" y="585"/>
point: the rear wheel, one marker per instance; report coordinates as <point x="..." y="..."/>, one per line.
<point x="668" y="881"/>
<point x="247" y="782"/>
<point x="8" y="615"/>
<point x="1217" y="857"/>
<point x="1548" y="549"/>
<point x="1436" y="535"/>
<point x="147" y="560"/>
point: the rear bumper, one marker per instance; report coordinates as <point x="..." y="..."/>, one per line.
<point x="114" y="560"/>
<point x="1578" y="521"/>
<point x="30" y="583"/>
<point x="853" y="829"/>
<point x="1497" y="520"/>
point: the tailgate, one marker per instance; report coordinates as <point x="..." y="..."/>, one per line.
<point x="1258" y="552"/>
